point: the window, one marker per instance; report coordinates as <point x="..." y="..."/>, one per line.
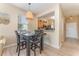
<point x="22" y="23"/>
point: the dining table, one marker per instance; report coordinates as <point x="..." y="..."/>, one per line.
<point x="27" y="35"/>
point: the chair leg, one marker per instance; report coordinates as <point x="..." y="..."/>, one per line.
<point x="40" y="48"/>
<point x="34" y="53"/>
<point x="40" y="51"/>
<point x="18" y="50"/>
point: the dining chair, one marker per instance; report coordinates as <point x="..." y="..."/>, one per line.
<point x="41" y="34"/>
<point x="21" y="43"/>
<point x="35" y="43"/>
<point x="39" y="31"/>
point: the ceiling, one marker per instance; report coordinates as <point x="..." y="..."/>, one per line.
<point x="36" y="8"/>
<point x="69" y="9"/>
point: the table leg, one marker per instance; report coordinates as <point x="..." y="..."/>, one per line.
<point x="28" y="48"/>
<point x="42" y="43"/>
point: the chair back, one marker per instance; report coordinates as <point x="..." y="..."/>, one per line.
<point x="39" y="31"/>
<point x="17" y="36"/>
<point x="36" y="37"/>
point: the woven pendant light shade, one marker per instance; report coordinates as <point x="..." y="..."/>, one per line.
<point x="29" y="14"/>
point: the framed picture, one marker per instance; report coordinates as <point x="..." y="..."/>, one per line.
<point x="4" y="18"/>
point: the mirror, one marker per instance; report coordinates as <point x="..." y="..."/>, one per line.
<point x="46" y="22"/>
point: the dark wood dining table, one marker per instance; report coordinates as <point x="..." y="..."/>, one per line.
<point x="27" y="35"/>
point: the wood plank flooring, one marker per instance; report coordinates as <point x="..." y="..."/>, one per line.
<point x="69" y="48"/>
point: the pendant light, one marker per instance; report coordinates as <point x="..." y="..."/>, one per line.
<point x="29" y="14"/>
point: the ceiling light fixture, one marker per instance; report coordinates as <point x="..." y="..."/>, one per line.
<point x="29" y="14"/>
<point x="71" y="17"/>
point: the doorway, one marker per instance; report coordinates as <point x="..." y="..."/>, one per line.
<point x="71" y="29"/>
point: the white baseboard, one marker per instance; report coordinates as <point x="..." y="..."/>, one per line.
<point x="54" y="46"/>
<point x="71" y="38"/>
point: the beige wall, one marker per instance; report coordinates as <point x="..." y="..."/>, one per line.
<point x="54" y="37"/>
<point x="61" y="27"/>
<point x="8" y="30"/>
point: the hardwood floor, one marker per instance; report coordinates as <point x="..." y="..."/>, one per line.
<point x="69" y="48"/>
